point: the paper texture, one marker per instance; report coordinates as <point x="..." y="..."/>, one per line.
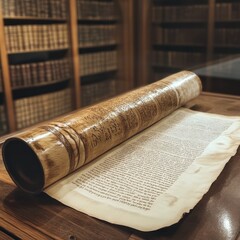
<point x="59" y="147"/>
<point x="151" y="180"/>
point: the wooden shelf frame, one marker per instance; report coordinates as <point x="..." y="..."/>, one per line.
<point x="126" y="46"/>
<point x="73" y="25"/>
<point x="28" y="18"/>
<point x="6" y="79"/>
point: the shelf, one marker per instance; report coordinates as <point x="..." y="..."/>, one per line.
<point x="39" y="57"/>
<point x="98" y="48"/>
<point x="37" y="85"/>
<point x="37" y="51"/>
<point x="31" y="91"/>
<point x="98" y="45"/>
<point x="226" y="1"/>
<point x="32" y="20"/>
<point x="181" y="24"/>
<point x="227" y="49"/>
<point x="227" y="23"/>
<point x="98" y="76"/>
<point x="179" y="3"/>
<point x="180" y="48"/>
<point x="97" y="21"/>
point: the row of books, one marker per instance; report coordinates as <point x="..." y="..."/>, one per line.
<point x="3" y="120"/>
<point x="32" y="74"/>
<point x="96" y="35"/>
<point x="34" y="8"/>
<point x="180" y="13"/>
<point x="177" y="59"/>
<point x="98" y="91"/>
<point x="227" y="11"/>
<point x="223" y="11"/>
<point x="95" y="9"/>
<point x="98" y="62"/>
<point x="21" y="38"/>
<point x="1" y="80"/>
<point x="32" y="110"/>
<point x="227" y="36"/>
<point x="180" y="36"/>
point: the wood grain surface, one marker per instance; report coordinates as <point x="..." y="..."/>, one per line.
<point x="216" y="216"/>
<point x="4" y="235"/>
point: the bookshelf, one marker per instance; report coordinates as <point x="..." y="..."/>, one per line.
<point x="98" y="49"/>
<point x="179" y="33"/>
<point x="3" y="117"/>
<point x="61" y="55"/>
<point x="176" y="35"/>
<point x="227" y="30"/>
<point x="38" y="51"/>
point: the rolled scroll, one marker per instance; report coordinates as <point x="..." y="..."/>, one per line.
<point x="42" y="155"/>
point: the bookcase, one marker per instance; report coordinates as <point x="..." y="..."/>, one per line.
<point x="38" y="54"/>
<point x="186" y="34"/>
<point x="224" y="31"/>
<point x="60" y="55"/>
<point x="98" y="49"/>
<point x="178" y="31"/>
<point x="227" y="28"/>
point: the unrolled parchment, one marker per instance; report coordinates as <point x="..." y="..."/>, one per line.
<point x="47" y="153"/>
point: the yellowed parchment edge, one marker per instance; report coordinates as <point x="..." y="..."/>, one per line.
<point x="180" y="198"/>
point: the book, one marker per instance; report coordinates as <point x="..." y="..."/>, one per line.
<point x="49" y="9"/>
<point x="94" y="92"/>
<point x="178" y="59"/>
<point x="20" y="38"/>
<point x="97" y="10"/>
<point x="185" y="13"/>
<point x="34" y="74"/>
<point x="35" y="109"/>
<point x="135" y="160"/>
<point x="98" y="62"/>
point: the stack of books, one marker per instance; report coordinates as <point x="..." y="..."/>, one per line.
<point x="227" y="11"/>
<point x="20" y="38"/>
<point x="38" y="73"/>
<point x="96" y="35"/>
<point x="98" y="91"/>
<point x="95" y="9"/>
<point x="32" y="110"/>
<point x="180" y="13"/>
<point x="34" y="8"/>
<point x="98" y="62"/>
<point x="178" y="59"/>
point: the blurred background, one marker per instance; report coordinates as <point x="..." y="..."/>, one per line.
<point x="60" y="55"/>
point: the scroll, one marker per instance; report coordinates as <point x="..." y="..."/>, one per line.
<point x="118" y="162"/>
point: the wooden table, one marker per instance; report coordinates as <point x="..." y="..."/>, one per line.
<point x="216" y="216"/>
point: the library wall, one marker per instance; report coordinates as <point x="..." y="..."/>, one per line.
<point x="58" y="55"/>
<point x="179" y="33"/>
<point x="39" y="42"/>
<point x="191" y="34"/>
<point x="37" y="45"/>
<point x="98" y="49"/>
